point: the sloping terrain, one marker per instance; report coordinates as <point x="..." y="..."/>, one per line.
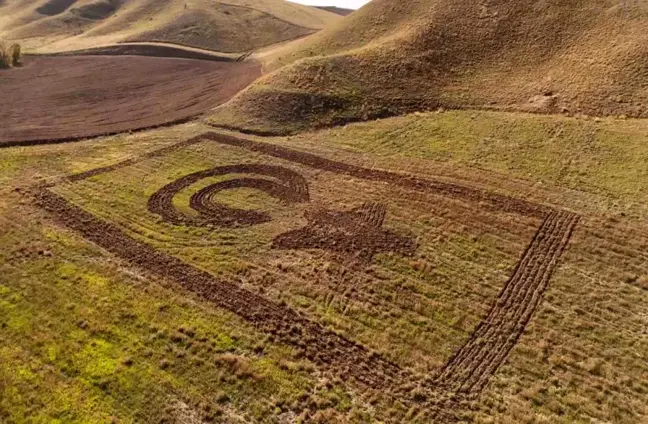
<point x="227" y="26"/>
<point x="338" y="10"/>
<point x="388" y="58"/>
<point x="450" y="266"/>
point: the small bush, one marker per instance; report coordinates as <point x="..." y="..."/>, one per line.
<point x="16" y="55"/>
<point x="10" y="55"/>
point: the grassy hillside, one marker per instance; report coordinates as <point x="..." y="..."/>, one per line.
<point x="227" y="26"/>
<point x="388" y="58"/>
<point x="89" y="336"/>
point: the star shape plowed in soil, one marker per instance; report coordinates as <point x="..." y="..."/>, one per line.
<point x="357" y="233"/>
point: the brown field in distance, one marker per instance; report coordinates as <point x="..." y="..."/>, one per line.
<point x="73" y="97"/>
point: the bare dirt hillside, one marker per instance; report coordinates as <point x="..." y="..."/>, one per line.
<point x="389" y="58"/>
<point x="226" y="26"/>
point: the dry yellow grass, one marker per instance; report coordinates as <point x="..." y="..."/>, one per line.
<point x="390" y="58"/>
<point x="228" y="26"/>
<point x="5" y="56"/>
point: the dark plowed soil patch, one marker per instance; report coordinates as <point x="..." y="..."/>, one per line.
<point x="55" y="7"/>
<point x="356" y="234"/>
<point x="442" y="397"/>
<point x="67" y="98"/>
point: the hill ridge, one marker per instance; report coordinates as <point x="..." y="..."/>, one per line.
<point x="225" y="26"/>
<point x="338" y="10"/>
<point x="388" y="59"/>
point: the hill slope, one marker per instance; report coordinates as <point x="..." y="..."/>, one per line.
<point x="227" y="26"/>
<point x="390" y="58"/>
<point x="339" y="10"/>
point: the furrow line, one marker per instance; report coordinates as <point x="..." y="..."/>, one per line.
<point x="470" y="368"/>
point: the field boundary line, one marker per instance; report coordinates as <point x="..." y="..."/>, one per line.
<point x="468" y="370"/>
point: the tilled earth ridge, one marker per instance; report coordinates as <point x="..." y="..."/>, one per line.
<point x="356" y="234"/>
<point x="468" y="371"/>
<point x="442" y="396"/>
<point x="491" y="201"/>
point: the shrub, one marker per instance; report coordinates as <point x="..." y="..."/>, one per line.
<point x="10" y="55"/>
<point x="16" y="55"/>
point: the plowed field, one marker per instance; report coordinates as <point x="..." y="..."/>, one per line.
<point x="54" y="99"/>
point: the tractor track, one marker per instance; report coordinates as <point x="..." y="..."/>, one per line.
<point x="469" y="369"/>
<point x="487" y="199"/>
<point x="471" y="366"/>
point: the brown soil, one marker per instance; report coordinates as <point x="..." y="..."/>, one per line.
<point x="357" y="234"/>
<point x="321" y="345"/>
<point x="443" y="395"/>
<point x="471" y="367"/>
<point x="66" y="98"/>
<point x="291" y="188"/>
<point x="486" y="199"/>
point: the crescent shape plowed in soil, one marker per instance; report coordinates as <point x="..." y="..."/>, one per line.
<point x="287" y="186"/>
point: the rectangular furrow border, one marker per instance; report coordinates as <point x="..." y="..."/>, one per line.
<point x="467" y="372"/>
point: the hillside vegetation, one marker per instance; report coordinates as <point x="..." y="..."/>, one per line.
<point x="390" y="58"/>
<point x="228" y="26"/>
